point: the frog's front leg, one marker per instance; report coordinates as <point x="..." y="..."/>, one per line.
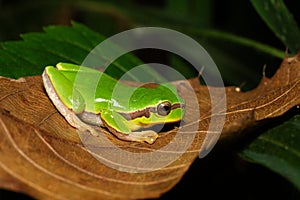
<point x="119" y="126"/>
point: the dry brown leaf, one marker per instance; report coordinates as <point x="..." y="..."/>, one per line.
<point x="43" y="156"/>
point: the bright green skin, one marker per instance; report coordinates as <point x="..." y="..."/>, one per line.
<point x="110" y="103"/>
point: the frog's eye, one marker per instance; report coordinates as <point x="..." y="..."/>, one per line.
<point x="164" y="108"/>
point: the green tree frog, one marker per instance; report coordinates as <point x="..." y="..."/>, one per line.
<point x="127" y="112"/>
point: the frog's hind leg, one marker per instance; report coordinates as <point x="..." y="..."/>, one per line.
<point x="118" y="125"/>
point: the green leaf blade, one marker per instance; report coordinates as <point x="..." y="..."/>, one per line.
<point x="280" y="20"/>
<point x="278" y="149"/>
<point x="63" y="44"/>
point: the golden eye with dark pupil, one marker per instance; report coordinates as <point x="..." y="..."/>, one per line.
<point x="164" y="108"/>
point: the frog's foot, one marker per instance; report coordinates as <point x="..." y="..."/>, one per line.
<point x="120" y="127"/>
<point x="139" y="136"/>
<point x="146" y="136"/>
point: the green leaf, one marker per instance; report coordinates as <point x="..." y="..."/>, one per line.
<point x="37" y="50"/>
<point x="280" y="20"/>
<point x="278" y="149"/>
<point x="61" y="44"/>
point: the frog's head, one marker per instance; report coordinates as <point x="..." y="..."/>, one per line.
<point x="156" y="104"/>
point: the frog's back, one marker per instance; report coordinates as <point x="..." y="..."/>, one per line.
<point x="99" y="90"/>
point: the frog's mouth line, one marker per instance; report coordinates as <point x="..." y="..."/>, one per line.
<point x="94" y="118"/>
<point x="146" y="112"/>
